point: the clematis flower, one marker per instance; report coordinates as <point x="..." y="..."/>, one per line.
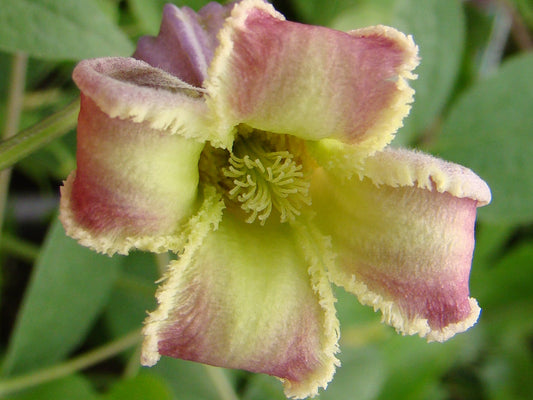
<point x="256" y="150"/>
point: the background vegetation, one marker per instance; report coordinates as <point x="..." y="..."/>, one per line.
<point x="69" y="318"/>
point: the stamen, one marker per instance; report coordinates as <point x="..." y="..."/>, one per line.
<point x="265" y="180"/>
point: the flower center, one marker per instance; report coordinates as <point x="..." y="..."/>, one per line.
<point x="265" y="178"/>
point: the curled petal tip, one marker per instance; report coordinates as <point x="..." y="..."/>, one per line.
<point x="130" y="89"/>
<point x="449" y="331"/>
<point x="400" y="167"/>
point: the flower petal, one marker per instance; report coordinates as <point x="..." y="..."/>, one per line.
<point x="310" y="81"/>
<point x="404" y="233"/>
<point x="127" y="88"/>
<point x="186" y="41"/>
<point x="242" y="297"/>
<point x="133" y="185"/>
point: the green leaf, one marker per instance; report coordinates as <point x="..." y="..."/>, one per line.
<point x="490" y="129"/>
<point x="508" y="283"/>
<point x="69" y="287"/>
<point x="504" y="293"/>
<point x="363" y="372"/>
<point x="262" y="387"/>
<point x="438" y="28"/>
<point x="525" y="8"/>
<point x="148" y="14"/>
<point x="490" y="245"/>
<point x="506" y="373"/>
<point x="67" y="29"/>
<point x="195" y="4"/>
<point x="415" y="367"/>
<point x="189" y="380"/>
<point x="145" y="386"/>
<point x="61" y="389"/>
<point x="133" y="295"/>
<point x="319" y="13"/>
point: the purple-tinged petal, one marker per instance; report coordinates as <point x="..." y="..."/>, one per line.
<point x="261" y="304"/>
<point x="404" y="233"/>
<point x="186" y="41"/>
<point x="127" y="88"/>
<point x="133" y="186"/>
<point x="310" y="81"/>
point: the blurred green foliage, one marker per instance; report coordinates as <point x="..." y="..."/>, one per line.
<point x="474" y="105"/>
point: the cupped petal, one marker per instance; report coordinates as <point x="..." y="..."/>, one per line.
<point x="404" y="234"/>
<point x="310" y="81"/>
<point x="186" y="41"/>
<point x="127" y="88"/>
<point x="242" y="297"/>
<point x="133" y="185"/>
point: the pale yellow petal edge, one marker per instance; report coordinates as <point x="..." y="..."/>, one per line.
<point x="204" y="221"/>
<point x="400" y="167"/>
<point x="392" y="117"/>
<point x="392" y="315"/>
<point x="109" y="243"/>
<point x="317" y="250"/>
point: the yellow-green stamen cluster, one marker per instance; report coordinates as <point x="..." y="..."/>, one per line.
<point x="265" y="180"/>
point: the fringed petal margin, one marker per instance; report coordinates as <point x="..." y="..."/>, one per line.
<point x="308" y="81"/>
<point x="404" y="235"/>
<point x="241" y="297"/>
<point x="204" y="221"/>
<point x="127" y="88"/>
<point x="133" y="185"/>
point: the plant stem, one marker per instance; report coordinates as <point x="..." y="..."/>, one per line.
<point x="499" y="34"/>
<point x="16" y="94"/>
<point x="31" y="139"/>
<point x="133" y="365"/>
<point x="19" y="248"/>
<point x="76" y="364"/>
<point x="14" y="108"/>
<point x="222" y="385"/>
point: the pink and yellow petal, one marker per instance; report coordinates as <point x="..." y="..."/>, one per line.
<point x="248" y="304"/>
<point x="404" y="234"/>
<point x="127" y="88"/>
<point x="310" y="81"/>
<point x="133" y="185"/>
